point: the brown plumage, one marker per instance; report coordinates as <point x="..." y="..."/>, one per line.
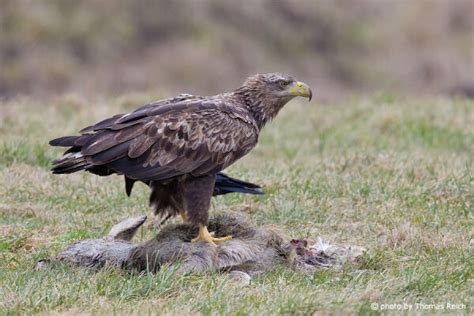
<point x="178" y="145"/>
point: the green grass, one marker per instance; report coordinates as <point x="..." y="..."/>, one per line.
<point x="394" y="176"/>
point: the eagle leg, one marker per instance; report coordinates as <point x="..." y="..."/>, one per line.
<point x="205" y="235"/>
<point x="197" y="193"/>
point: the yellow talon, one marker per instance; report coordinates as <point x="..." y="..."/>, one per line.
<point x="205" y="235"/>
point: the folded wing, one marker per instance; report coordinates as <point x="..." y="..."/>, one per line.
<point x="159" y="141"/>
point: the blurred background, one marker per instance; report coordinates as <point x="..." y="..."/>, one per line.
<point x="340" y="47"/>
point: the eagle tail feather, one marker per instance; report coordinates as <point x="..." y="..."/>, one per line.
<point x="225" y="184"/>
<point x="69" y="163"/>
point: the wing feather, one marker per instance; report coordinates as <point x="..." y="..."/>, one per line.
<point x="167" y="139"/>
<point x="140" y="145"/>
<point x="113" y="153"/>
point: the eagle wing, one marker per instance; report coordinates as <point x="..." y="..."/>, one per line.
<point x="191" y="135"/>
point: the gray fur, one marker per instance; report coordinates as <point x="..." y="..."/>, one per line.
<point x="249" y="248"/>
<point x="95" y="253"/>
<point x="240" y="278"/>
<point x="126" y="229"/>
<point x="252" y="249"/>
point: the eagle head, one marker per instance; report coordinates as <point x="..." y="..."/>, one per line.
<point x="266" y="94"/>
<point x="281" y="86"/>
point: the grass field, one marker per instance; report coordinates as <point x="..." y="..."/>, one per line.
<point x="392" y="175"/>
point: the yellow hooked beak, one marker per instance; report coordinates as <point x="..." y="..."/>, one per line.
<point x="301" y="89"/>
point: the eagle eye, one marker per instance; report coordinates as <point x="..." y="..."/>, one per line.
<point x="284" y="83"/>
